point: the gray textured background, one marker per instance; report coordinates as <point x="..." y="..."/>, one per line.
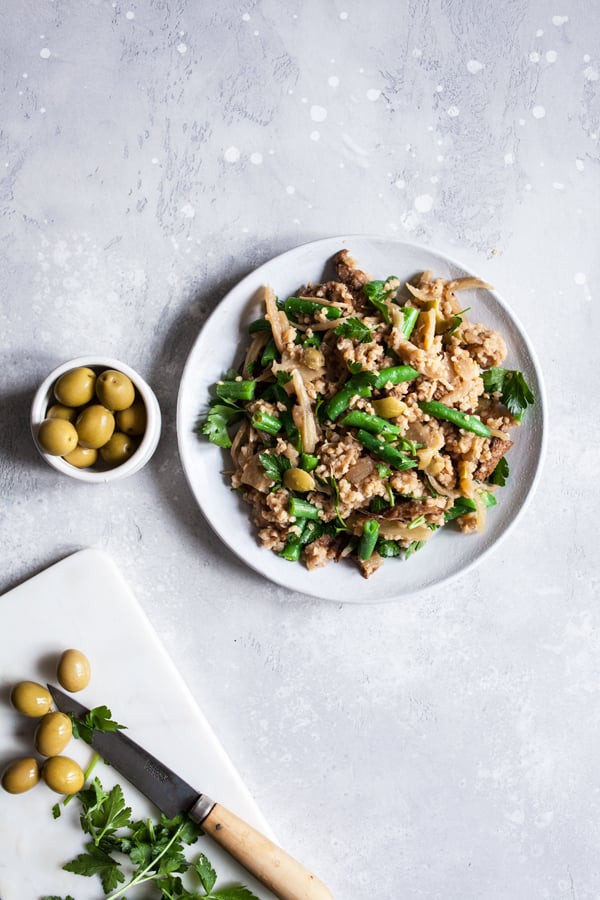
<point x="151" y="154"/>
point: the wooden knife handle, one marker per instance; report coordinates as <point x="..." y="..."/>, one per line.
<point x="278" y="871"/>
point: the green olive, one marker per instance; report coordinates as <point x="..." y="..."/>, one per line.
<point x="58" y="411"/>
<point x="133" y="419"/>
<point x="313" y="358"/>
<point x="57" y="436"/>
<point x="73" y="670"/>
<point x="31" y="699"/>
<point x="95" y="425"/>
<point x="298" y="480"/>
<point x="389" y="407"/>
<point x="118" y="449"/>
<point x="21" y="775"/>
<point x="81" y="457"/>
<point x="63" y="775"/>
<point x="75" y="387"/>
<point x="115" y="390"/>
<point x="53" y="734"/>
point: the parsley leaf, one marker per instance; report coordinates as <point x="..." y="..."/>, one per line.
<point x="378" y="296"/>
<point x="456" y="320"/>
<point x="514" y="391"/>
<point x="215" y="426"/>
<point x="206" y="873"/>
<point x="96" y="862"/>
<point x="500" y="473"/>
<point x="355" y="329"/>
<point x="274" y="466"/>
<point x="97" y="719"/>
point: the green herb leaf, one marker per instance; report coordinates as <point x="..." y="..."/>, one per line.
<point x="236" y="892"/>
<point x="500" y="474"/>
<point x="215" y="425"/>
<point x="377" y="295"/>
<point x="456" y="320"/>
<point x="412" y="548"/>
<point x="355" y="329"/>
<point x="97" y="719"/>
<point x="274" y="465"/>
<point x="96" y="862"/>
<point x="206" y="873"/>
<point x="514" y="391"/>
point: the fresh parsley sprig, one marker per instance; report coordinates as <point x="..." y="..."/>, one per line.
<point x="97" y="719"/>
<point x="514" y="391"/>
<point x="126" y="853"/>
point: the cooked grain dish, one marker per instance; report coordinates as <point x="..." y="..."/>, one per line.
<point x="366" y="415"/>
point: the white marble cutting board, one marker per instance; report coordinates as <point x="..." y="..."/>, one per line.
<point x="84" y="602"/>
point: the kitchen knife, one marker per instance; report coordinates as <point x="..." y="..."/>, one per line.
<point x="277" y="870"/>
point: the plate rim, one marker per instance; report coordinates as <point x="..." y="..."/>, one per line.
<point x="541" y="404"/>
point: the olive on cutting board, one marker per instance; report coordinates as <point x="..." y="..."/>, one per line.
<point x="31" y="699"/>
<point x="53" y="734"/>
<point x="63" y="775"/>
<point x="21" y="775"/>
<point x="73" y="670"/>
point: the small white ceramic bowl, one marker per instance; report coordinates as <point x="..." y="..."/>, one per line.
<point x="44" y="398"/>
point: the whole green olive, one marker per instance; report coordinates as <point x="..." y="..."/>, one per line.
<point x="94" y="425"/>
<point x="57" y="436"/>
<point x="73" y="670"/>
<point x="63" y="775"/>
<point x="21" y="775"/>
<point x="58" y="411"/>
<point x="81" y="457"/>
<point x="75" y="387"/>
<point x="53" y="734"/>
<point x="118" y="449"/>
<point x="133" y="419"/>
<point x="115" y="390"/>
<point x="31" y="699"/>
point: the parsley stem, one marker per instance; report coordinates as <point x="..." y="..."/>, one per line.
<point x="88" y="771"/>
<point x="142" y="877"/>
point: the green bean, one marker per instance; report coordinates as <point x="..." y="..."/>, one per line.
<point x="263" y="421"/>
<point x="455" y="416"/>
<point x="308" y="462"/>
<point x="302" y="509"/>
<point x="340" y="401"/>
<point x="292" y="548"/>
<point x="410" y="316"/>
<point x="368" y="539"/>
<point x="297" y="306"/>
<point x="375" y="424"/>
<point x="395" y="375"/>
<point x="235" y="390"/>
<point x="388" y="454"/>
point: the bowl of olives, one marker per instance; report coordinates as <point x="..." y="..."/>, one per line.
<point x="95" y="419"/>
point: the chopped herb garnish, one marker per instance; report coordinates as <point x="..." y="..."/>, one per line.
<point x="514" y="391"/>
<point x="355" y="329"/>
<point x="500" y="473"/>
<point x="274" y="465"/>
<point x="214" y="427"/>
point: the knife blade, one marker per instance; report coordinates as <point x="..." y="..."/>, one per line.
<point x="287" y="878"/>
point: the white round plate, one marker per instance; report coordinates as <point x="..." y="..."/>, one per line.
<point x="220" y="345"/>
